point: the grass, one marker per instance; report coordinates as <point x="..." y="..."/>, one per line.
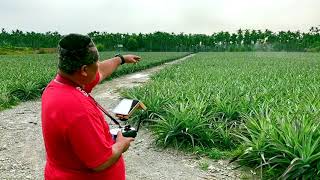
<point x="25" y="50"/>
<point x="204" y="165"/>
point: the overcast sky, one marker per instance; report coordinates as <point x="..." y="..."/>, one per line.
<point x="134" y="16"/>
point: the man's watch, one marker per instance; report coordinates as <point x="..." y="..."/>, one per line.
<point x="121" y="57"/>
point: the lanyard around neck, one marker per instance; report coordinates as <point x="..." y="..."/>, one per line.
<point x="104" y="111"/>
<point x="97" y="104"/>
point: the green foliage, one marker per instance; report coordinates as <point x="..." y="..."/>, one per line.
<point x="262" y="107"/>
<point x="212" y="153"/>
<point x="314" y="49"/>
<point x="100" y="47"/>
<point x="204" y="165"/>
<point x="183" y="124"/>
<point x="24" y="77"/>
<point x="242" y="40"/>
<point x="132" y="44"/>
<point x="15" y="50"/>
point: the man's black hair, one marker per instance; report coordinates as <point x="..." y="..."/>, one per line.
<point x="76" y="50"/>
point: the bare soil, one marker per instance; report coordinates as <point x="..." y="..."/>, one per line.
<point x="22" y="153"/>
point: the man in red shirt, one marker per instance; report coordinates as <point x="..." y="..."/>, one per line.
<point x="76" y="136"/>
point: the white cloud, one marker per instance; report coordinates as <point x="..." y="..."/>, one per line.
<point x="133" y="16"/>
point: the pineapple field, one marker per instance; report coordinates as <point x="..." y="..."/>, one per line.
<point x="23" y="77"/>
<point x="259" y="109"/>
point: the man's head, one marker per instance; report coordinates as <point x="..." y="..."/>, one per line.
<point x="78" y="57"/>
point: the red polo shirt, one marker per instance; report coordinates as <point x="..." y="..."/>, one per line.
<point x="75" y="134"/>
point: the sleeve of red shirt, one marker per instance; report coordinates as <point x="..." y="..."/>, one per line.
<point x="88" y="140"/>
<point x="88" y="88"/>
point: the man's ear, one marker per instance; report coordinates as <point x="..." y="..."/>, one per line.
<point x="84" y="70"/>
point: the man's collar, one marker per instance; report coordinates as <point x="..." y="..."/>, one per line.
<point x="63" y="80"/>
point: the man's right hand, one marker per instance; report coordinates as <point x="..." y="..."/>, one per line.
<point x="122" y="144"/>
<point x="124" y="141"/>
<point x="130" y="58"/>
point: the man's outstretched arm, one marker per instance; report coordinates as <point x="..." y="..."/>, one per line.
<point x="107" y="67"/>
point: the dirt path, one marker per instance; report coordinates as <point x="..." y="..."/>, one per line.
<point x="22" y="154"/>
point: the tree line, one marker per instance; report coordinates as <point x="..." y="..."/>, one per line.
<point x="242" y="40"/>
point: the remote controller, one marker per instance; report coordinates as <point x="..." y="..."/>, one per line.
<point x="127" y="131"/>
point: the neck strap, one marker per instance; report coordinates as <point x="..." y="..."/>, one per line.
<point x="59" y="79"/>
<point x="104" y="111"/>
